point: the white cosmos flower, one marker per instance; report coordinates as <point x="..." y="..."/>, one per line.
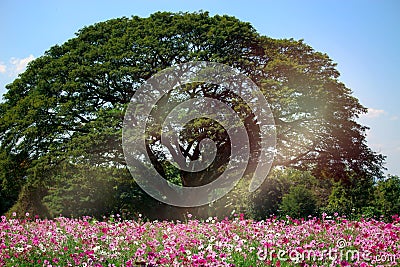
<point x="103" y="253"/>
<point x="42" y="248"/>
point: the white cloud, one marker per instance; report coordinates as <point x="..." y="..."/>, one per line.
<point x="19" y="64"/>
<point x="3" y="68"/>
<point x="374" y="113"/>
<point x="394" y="118"/>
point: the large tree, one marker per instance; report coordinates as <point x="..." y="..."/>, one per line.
<point x="68" y="106"/>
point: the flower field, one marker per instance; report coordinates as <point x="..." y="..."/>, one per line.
<point x="228" y="242"/>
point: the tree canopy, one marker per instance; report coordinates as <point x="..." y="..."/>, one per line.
<point x="67" y="108"/>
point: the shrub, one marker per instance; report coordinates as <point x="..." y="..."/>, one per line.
<point x="299" y="202"/>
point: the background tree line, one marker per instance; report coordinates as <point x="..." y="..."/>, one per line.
<point x="61" y="123"/>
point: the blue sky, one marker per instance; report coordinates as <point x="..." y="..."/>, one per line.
<point x="363" y="37"/>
